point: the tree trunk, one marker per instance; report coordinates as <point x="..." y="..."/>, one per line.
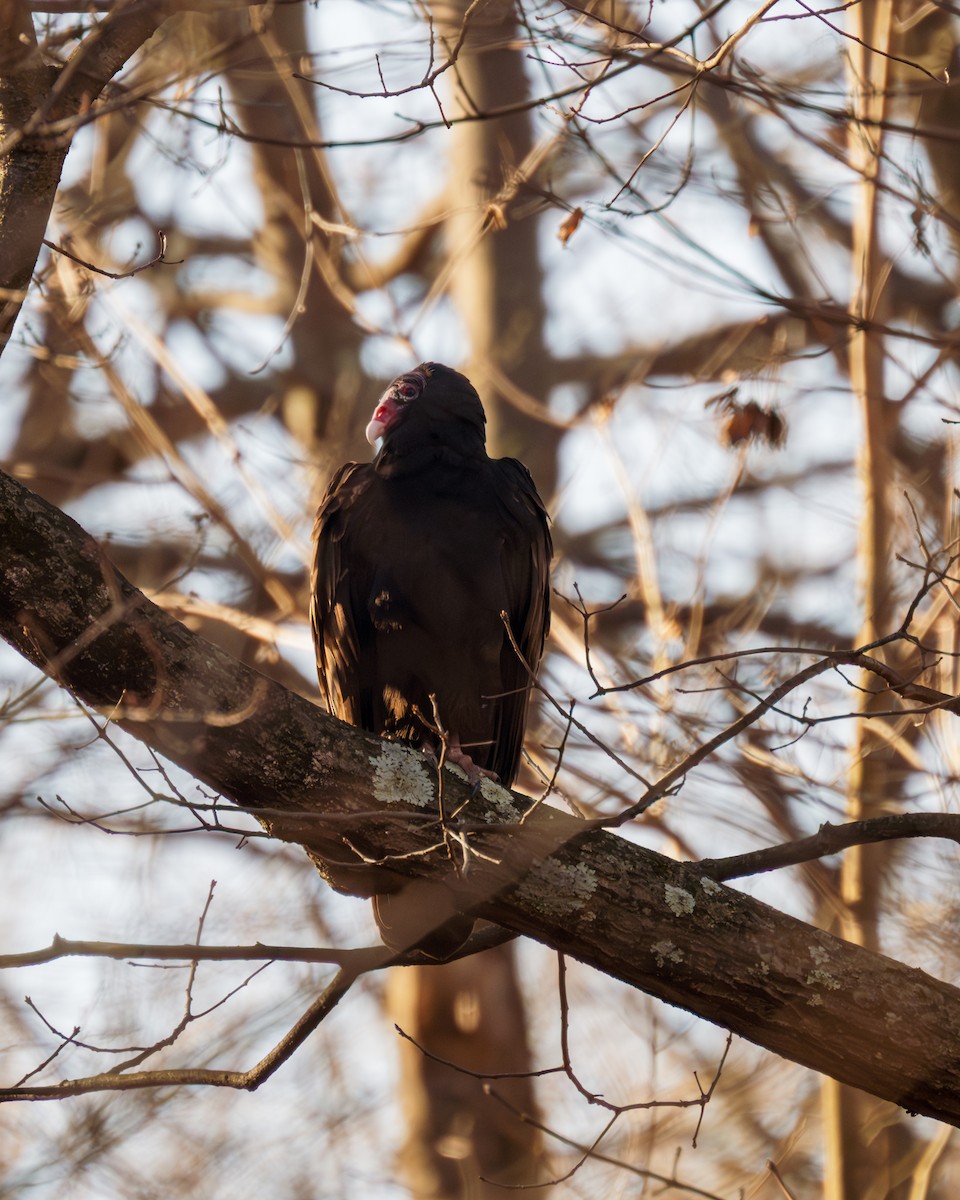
<point x="472" y="1012"/>
<point x="864" y="1146"/>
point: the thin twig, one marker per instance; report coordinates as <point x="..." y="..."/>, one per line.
<point x="159" y="257"/>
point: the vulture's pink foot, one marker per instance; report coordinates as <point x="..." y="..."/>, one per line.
<point x="455" y="753"/>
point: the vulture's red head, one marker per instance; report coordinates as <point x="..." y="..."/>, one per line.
<point x="429" y="412"/>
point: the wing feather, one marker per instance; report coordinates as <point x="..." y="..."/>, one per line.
<point x="337" y="619"/>
<point x="525" y="563"/>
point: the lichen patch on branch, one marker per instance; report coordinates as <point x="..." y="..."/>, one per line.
<point x="400" y="776"/>
<point x="558" y="888"/>
<point x="678" y="900"/>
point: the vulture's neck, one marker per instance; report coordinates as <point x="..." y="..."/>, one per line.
<point x="448" y="450"/>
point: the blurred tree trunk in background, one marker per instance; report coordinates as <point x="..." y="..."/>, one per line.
<point x="301" y="243"/>
<point x="472" y="1012"/>
<point x="867" y="1150"/>
<point x="491" y="235"/>
<point x="872" y="1152"/>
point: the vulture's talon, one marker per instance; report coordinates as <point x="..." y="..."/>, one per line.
<point x="455" y="754"/>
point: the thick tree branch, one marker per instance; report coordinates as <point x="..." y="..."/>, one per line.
<point x="40" y="108"/>
<point x="367" y="812"/>
<point x="32" y="93"/>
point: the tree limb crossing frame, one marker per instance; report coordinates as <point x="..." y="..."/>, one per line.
<point x="367" y="813"/>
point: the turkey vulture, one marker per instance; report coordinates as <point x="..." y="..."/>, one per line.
<point x="417" y="555"/>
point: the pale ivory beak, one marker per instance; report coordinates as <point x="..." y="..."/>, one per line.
<point x="375" y="430"/>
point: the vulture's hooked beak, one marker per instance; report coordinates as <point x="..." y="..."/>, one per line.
<point x="384" y="416"/>
<point x="374" y="431"/>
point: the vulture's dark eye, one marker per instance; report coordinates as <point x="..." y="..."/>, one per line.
<point x="405" y="390"/>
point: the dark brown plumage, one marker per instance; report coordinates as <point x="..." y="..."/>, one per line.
<point x="417" y="555"/>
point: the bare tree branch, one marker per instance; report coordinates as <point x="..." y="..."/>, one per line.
<point x="656" y="924"/>
<point x="831" y="839"/>
<point x="248" y="1080"/>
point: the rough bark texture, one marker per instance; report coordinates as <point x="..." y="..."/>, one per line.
<point x="642" y="918"/>
<point x="29" y="169"/>
<point x="38" y="105"/>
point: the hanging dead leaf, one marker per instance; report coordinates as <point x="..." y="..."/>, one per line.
<point x="569" y="225"/>
<point x="748" y="421"/>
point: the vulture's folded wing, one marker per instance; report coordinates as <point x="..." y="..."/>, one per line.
<point x="525" y="563"/>
<point x="337" y="612"/>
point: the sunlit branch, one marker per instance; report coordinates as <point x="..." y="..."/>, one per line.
<point x="248" y="1080"/>
<point x="831" y="839"/>
<point x="363" y="959"/>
